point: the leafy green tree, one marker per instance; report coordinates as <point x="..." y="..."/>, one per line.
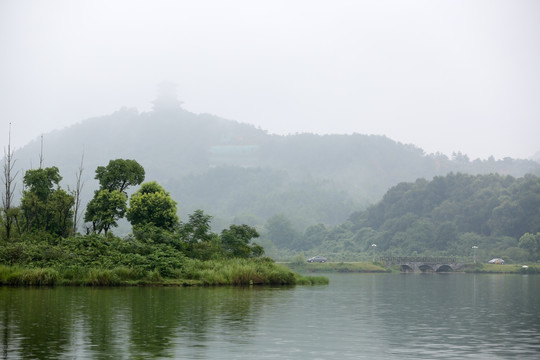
<point x="60" y="213"/>
<point x="41" y="182"/>
<point x="151" y="204"/>
<point x="109" y="202"/>
<point x="119" y="174"/>
<point x="105" y="209"/>
<point x="32" y="208"/>
<point x="198" y="239"/>
<point x="197" y="229"/>
<point x="236" y="241"/>
<point x="44" y="205"/>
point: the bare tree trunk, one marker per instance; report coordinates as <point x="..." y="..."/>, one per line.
<point x="77" y="193"/>
<point x="41" y="153"/>
<point x="9" y="189"/>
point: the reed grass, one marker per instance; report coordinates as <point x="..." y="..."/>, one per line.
<point x="311" y="280"/>
<point x="17" y="276"/>
<point x="102" y="277"/>
<point x="238" y="272"/>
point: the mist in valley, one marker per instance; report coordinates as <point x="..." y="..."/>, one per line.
<point x="292" y="118"/>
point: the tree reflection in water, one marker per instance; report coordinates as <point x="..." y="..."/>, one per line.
<point x="52" y="323"/>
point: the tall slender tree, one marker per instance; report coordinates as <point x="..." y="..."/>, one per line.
<point x="9" y="186"/>
<point x="79" y="184"/>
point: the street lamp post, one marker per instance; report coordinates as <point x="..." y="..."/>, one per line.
<point x="373" y="246"/>
<point x="474" y="249"/>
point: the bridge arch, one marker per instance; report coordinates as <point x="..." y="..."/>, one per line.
<point x="445" y="268"/>
<point x="405" y="268"/>
<point x="424" y="264"/>
<point x="425" y="268"/>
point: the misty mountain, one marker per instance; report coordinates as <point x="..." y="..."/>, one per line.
<point x="236" y="172"/>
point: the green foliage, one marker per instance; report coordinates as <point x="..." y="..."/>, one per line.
<point x="43" y="207"/>
<point x="102" y="277"/>
<point x="18" y="276"/>
<point x="94" y="251"/>
<point x="198" y="239"/>
<point x="109" y="261"/>
<point x="299" y="259"/>
<point x="236" y="242"/>
<point x="453" y="213"/>
<point x="311" y="280"/>
<point x="197" y="229"/>
<point x="41" y="181"/>
<point x="442" y="217"/>
<point x="119" y="174"/>
<point x="105" y="209"/>
<point x="152" y="205"/>
<point x="109" y="202"/>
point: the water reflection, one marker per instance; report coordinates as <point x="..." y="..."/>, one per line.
<point x="357" y="317"/>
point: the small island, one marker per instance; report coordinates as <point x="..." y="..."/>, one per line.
<point x="40" y="245"/>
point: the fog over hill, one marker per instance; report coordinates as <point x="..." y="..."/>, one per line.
<point x="239" y="173"/>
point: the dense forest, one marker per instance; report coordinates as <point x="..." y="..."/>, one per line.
<point x="446" y="216"/>
<point x="242" y="174"/>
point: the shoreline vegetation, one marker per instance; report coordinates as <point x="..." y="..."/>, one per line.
<point x="39" y="244"/>
<point x="376" y="267"/>
<point x="232" y="272"/>
<point x="223" y="272"/>
<point x="97" y="260"/>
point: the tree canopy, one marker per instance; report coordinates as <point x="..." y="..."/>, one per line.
<point x="152" y="205"/>
<point x="119" y="174"/>
<point x="44" y="205"/>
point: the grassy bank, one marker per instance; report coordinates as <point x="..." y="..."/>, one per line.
<point x="240" y="272"/>
<point x="502" y="269"/>
<point x="342" y="267"/>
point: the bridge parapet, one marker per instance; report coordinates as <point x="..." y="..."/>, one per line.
<point x="438" y="264"/>
<point x="416" y="259"/>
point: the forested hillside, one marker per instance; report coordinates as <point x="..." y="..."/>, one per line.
<point x="237" y="172"/>
<point x="447" y="215"/>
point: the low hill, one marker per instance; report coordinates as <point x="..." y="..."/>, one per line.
<point x="447" y="215"/>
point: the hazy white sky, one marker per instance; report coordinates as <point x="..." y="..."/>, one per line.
<point x="443" y="75"/>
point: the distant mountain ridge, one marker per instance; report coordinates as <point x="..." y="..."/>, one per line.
<point x="236" y="171"/>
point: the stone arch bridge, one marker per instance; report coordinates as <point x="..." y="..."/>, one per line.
<point x="424" y="264"/>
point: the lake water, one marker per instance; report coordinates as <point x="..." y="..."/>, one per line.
<point x="357" y="316"/>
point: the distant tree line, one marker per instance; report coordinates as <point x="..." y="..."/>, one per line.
<point x="445" y="216"/>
